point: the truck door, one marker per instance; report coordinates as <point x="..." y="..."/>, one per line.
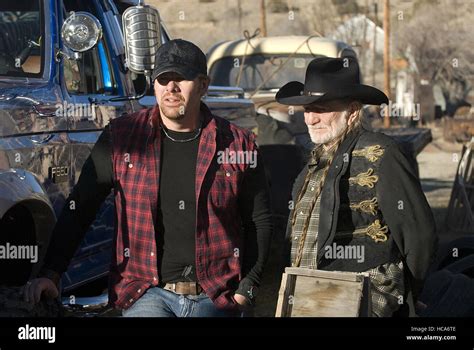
<point x="89" y="83"/>
<point x="34" y="147"/>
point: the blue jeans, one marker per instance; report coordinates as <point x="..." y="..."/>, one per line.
<point x="158" y="302"/>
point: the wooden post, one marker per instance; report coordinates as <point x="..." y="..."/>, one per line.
<point x="263" y="19"/>
<point x="386" y="55"/>
<point x="374" y="51"/>
<point x="239" y="9"/>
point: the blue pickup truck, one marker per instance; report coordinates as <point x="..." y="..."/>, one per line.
<point x="55" y="100"/>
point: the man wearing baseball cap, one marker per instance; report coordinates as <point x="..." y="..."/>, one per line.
<point x="192" y="228"/>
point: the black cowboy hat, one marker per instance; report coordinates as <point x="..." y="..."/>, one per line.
<point x="330" y="79"/>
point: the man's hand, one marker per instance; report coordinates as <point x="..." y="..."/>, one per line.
<point x="241" y="300"/>
<point x="33" y="290"/>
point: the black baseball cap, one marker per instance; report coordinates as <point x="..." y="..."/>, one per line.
<point x="182" y="57"/>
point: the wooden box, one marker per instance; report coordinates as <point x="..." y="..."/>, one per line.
<point x="316" y="293"/>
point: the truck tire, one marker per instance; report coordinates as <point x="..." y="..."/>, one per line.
<point x="16" y="229"/>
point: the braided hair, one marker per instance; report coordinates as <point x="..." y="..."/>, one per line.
<point x="318" y="152"/>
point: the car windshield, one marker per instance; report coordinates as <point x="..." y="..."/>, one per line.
<point x="21" y="34"/>
<point x="265" y="72"/>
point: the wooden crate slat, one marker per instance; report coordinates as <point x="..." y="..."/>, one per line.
<point x="342" y="275"/>
<point x="317" y="293"/>
<point x="326" y="298"/>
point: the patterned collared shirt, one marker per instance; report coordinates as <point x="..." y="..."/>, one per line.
<point x="386" y="281"/>
<point x="303" y="208"/>
<point x="217" y="187"/>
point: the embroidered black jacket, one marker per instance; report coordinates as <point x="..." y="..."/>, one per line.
<point x="372" y="197"/>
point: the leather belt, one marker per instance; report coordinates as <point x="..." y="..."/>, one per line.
<point x="185" y="288"/>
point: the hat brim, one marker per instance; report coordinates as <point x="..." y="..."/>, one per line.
<point x="292" y="94"/>
<point x="185" y="72"/>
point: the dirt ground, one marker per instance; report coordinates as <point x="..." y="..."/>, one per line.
<point x="438" y="164"/>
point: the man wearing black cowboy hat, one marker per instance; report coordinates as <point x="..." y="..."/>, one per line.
<point x="358" y="205"/>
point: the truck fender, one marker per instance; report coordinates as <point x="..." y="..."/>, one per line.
<point x="19" y="187"/>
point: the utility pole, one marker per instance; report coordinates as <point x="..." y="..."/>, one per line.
<point x="263" y="19"/>
<point x="386" y="56"/>
<point x="374" y="51"/>
<point x="239" y="9"/>
<point x="364" y="46"/>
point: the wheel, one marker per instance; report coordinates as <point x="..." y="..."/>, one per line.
<point x="16" y="230"/>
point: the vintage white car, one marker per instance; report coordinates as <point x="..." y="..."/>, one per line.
<point x="260" y="66"/>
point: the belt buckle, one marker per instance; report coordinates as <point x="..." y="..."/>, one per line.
<point x="184" y="288"/>
<point x="172" y="287"/>
<point x="192" y="288"/>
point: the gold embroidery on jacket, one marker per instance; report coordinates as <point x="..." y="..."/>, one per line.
<point x="365" y="179"/>
<point x="372" y="153"/>
<point x="368" y="206"/>
<point x="377" y="232"/>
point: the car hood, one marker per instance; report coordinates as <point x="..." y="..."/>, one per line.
<point x="265" y="103"/>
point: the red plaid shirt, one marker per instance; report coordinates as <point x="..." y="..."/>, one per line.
<point x="136" y="164"/>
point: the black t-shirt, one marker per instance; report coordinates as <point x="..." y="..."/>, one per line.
<point x="177" y="207"/>
<point x="97" y="180"/>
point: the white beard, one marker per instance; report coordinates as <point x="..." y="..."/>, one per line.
<point x="331" y="133"/>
